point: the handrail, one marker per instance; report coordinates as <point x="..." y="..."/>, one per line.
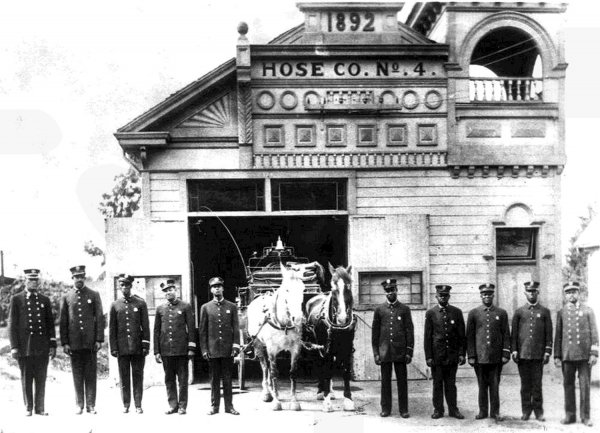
<point x="505" y="89"/>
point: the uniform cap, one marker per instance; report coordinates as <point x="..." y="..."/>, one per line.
<point x="32" y="274"/>
<point x="571" y="285"/>
<point x="443" y="289"/>
<point x="390" y="283"/>
<point x="531" y="286"/>
<point x="125" y="278"/>
<point x="216" y="281"/>
<point x="167" y="285"/>
<point x="78" y="270"/>
<point x="489" y="287"/>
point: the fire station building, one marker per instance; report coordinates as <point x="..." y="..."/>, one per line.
<point x="429" y="151"/>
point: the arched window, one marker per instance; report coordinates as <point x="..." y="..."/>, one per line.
<point x="506" y="66"/>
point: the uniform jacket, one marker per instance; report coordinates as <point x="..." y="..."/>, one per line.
<point x="532" y="332"/>
<point x="576" y="336"/>
<point x="392" y="335"/>
<point x="81" y="319"/>
<point x="31" y="324"/>
<point x="444" y="335"/>
<point x="174" y="329"/>
<point x="488" y="335"/>
<point x="129" y="330"/>
<point x="219" y="328"/>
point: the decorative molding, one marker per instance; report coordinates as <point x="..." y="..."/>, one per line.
<point x="529" y="172"/>
<point x="529" y="129"/>
<point x="265" y="100"/>
<point x="410" y="100"/>
<point x="433" y="99"/>
<point x="484" y="171"/>
<point x="350" y="160"/>
<point x="216" y="115"/>
<point x="288" y="100"/>
<point x="245" y="131"/>
<point x="483" y="129"/>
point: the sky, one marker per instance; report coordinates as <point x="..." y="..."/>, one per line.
<point x="73" y="72"/>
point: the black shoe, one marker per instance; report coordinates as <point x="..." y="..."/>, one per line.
<point x="171" y="411"/>
<point x="182" y="411"/>
<point x="456" y="414"/>
<point x="384" y="414"/>
<point x="436" y="415"/>
<point x="587" y="422"/>
<point x="404" y="414"/>
<point x="525" y="417"/>
<point x="213" y="411"/>
<point x="481" y="415"/>
<point x="91" y="410"/>
<point x="497" y="417"/>
<point x="540" y="416"/>
<point x="125" y="409"/>
<point x="41" y="413"/>
<point x="139" y="410"/>
<point x="567" y="420"/>
<point x="232" y="411"/>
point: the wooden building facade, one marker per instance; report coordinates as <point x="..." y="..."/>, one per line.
<point x="428" y="151"/>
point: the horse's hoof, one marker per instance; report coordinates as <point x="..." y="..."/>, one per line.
<point x="348" y="404"/>
<point x="267" y="398"/>
<point x="277" y="406"/>
<point x="294" y="405"/>
<point x="327" y="407"/>
<point x="320" y="396"/>
<point x="332" y="395"/>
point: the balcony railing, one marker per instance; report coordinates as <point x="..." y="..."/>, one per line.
<point x="505" y="89"/>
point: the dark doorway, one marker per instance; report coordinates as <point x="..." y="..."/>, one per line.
<point x="214" y="253"/>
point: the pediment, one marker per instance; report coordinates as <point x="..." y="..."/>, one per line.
<point x="217" y="115"/>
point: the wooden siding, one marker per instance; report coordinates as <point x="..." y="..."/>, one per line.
<point x="165" y="197"/>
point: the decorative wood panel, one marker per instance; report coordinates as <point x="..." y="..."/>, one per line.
<point x="216" y="115"/>
<point x="350" y="160"/>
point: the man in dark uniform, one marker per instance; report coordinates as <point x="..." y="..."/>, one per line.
<point x="576" y="351"/>
<point x="488" y="349"/>
<point x="32" y="340"/>
<point x="445" y="348"/>
<point x="174" y="343"/>
<point x="392" y="339"/>
<point x="82" y="334"/>
<point x="219" y="333"/>
<point x="129" y="333"/>
<point x="531" y="343"/>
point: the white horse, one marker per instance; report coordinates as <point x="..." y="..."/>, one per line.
<point x="275" y="324"/>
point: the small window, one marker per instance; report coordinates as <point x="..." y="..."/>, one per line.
<point x="366" y="135"/>
<point x="397" y="135"/>
<point x="274" y="136"/>
<point x="308" y="194"/>
<point x="336" y="135"/>
<point x="226" y="195"/>
<point x="305" y="136"/>
<point x="410" y="287"/>
<point x="516" y="244"/>
<point x="427" y="135"/>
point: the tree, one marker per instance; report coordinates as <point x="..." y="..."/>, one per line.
<point x="94" y="251"/>
<point x="576" y="266"/>
<point x="124" y="199"/>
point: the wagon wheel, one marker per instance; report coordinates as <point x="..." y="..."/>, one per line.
<point x="241" y="367"/>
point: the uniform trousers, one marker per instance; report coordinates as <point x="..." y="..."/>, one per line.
<point x="583" y="370"/>
<point x="176" y="369"/>
<point x="488" y="380"/>
<point x="386" y="386"/>
<point x="84" y="365"/>
<point x="221" y="368"/>
<point x="131" y="367"/>
<point x="531" y="371"/>
<point x="34" y="369"/>
<point x="444" y="383"/>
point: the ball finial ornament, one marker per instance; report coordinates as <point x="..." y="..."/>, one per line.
<point x="242" y="28"/>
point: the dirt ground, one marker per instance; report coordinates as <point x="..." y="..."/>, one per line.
<point x="255" y="415"/>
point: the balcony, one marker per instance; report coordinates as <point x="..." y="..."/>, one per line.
<point x="506" y="89"/>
